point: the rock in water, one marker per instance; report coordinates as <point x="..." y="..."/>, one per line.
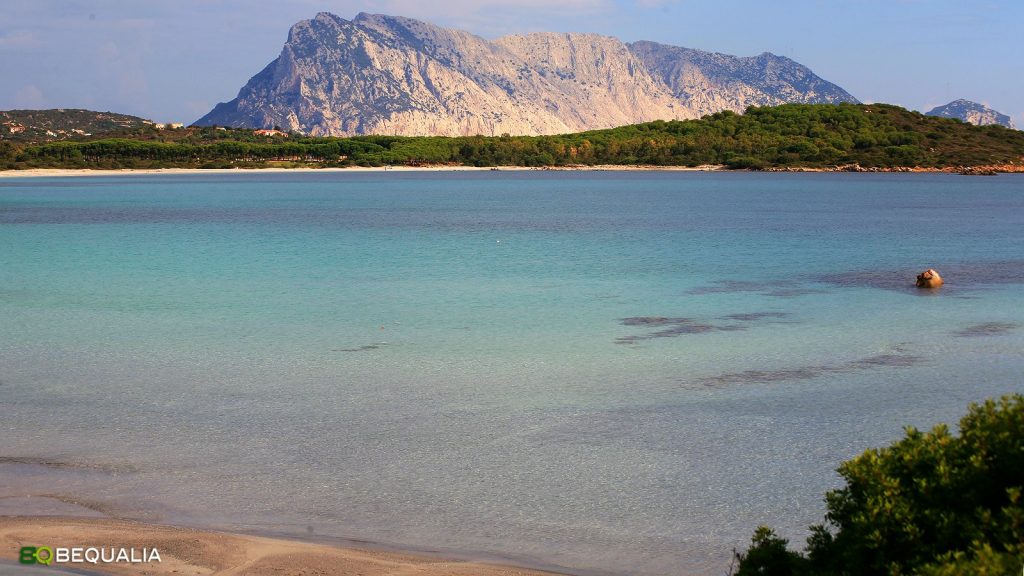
<point x="929" y="279"/>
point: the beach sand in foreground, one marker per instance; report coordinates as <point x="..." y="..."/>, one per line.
<point x="61" y="172"/>
<point x="185" y="551"/>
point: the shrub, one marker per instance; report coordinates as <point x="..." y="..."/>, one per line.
<point x="933" y="503"/>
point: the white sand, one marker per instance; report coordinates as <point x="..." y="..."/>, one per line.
<point x="62" y="172"/>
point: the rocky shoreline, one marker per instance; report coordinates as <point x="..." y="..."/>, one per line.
<point x="988" y="170"/>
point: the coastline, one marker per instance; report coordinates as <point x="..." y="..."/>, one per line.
<point x="74" y="172"/>
<point x="195" y="551"/>
<point x="62" y="172"/>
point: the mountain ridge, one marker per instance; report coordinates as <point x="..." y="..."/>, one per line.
<point x="972" y="113"/>
<point x="380" y="74"/>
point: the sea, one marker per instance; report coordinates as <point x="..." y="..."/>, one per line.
<point x="592" y="372"/>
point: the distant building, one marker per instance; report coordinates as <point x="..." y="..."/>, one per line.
<point x="269" y="133"/>
<point x="14" y="127"/>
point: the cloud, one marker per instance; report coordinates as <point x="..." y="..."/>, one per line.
<point x="19" y="39"/>
<point x="655" y="3"/>
<point x="29" y="96"/>
<point x="487" y="17"/>
<point x="483" y="6"/>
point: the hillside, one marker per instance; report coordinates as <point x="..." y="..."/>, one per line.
<point x="62" y="124"/>
<point x="379" y="74"/>
<point x="789" y="136"/>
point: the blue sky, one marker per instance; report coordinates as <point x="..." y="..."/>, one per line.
<point x="173" y="60"/>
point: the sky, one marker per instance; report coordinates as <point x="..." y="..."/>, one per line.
<point x="173" y="60"/>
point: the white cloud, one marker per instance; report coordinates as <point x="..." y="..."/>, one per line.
<point x="485" y="17"/>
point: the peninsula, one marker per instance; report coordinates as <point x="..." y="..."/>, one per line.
<point x="841" y="136"/>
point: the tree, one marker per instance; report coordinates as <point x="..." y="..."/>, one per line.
<point x="806" y="135"/>
<point x="768" y="555"/>
<point x="7" y="151"/>
<point x="932" y="503"/>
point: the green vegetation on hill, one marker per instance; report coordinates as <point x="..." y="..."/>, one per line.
<point x="791" y="135"/>
<point x="932" y="504"/>
<point x="63" y="123"/>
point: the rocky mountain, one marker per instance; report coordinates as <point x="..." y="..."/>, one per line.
<point x="62" y="123"/>
<point x="710" y="82"/>
<point x="972" y="113"/>
<point x="379" y="74"/>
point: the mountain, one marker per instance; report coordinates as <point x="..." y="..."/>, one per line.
<point x="62" y="123"/>
<point x="972" y="113"/>
<point x="711" y="82"/>
<point x="382" y="74"/>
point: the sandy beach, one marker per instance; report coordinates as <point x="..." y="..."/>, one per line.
<point x="62" y="172"/>
<point x="185" y="551"/>
<point x="65" y="172"/>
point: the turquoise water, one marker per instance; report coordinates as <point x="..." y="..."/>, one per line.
<point x="604" y="372"/>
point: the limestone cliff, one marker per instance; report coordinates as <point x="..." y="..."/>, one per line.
<point x="710" y="82"/>
<point x="382" y="74"/>
<point x="972" y="113"/>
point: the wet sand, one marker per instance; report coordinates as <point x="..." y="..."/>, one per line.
<point x="185" y="551"/>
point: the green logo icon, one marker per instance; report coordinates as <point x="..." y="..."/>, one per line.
<point x="34" y="555"/>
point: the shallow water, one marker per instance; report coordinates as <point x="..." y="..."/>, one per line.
<point x="608" y="372"/>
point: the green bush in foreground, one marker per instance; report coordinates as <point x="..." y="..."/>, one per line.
<point x="932" y="504"/>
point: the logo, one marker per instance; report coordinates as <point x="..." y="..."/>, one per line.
<point x="92" y="555"/>
<point x="33" y="555"/>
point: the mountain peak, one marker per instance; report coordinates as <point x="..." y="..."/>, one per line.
<point x="972" y="113"/>
<point x="327" y="17"/>
<point x="395" y="75"/>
